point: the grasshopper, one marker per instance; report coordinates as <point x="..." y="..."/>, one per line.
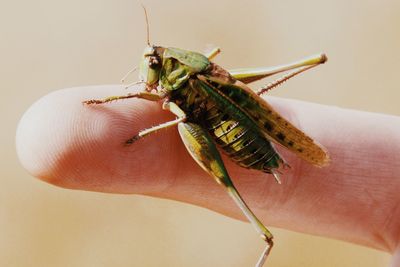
<point x="215" y="107"/>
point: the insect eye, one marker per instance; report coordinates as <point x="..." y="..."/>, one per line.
<point x="154" y="62"/>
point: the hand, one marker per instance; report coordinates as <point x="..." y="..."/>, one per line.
<point x="356" y="198"/>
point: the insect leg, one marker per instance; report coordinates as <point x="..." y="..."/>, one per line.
<point x="254" y="74"/>
<point x="213" y="53"/>
<point x="283" y="79"/>
<point x="201" y="147"/>
<point x="171" y="106"/>
<point x="143" y="95"/>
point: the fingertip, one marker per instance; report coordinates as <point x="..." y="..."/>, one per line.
<point x="35" y="135"/>
<point x="69" y="144"/>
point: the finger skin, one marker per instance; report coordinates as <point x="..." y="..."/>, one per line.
<point x="356" y="198"/>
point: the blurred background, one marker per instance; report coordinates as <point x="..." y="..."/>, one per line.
<point x="47" y="45"/>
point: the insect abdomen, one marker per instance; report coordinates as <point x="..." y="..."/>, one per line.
<point x="243" y="145"/>
<point x="229" y="129"/>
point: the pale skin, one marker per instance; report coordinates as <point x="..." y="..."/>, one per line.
<point x="356" y="198"/>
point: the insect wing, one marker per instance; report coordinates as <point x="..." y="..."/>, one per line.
<point x="274" y="126"/>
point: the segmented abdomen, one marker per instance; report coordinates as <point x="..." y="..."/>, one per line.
<point x="229" y="128"/>
<point x="243" y="145"/>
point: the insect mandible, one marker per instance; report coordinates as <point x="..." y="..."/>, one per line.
<point x="215" y="107"/>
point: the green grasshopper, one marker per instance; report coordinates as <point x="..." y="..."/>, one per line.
<point x="215" y="107"/>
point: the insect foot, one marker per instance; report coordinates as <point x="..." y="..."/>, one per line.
<point x="132" y="140"/>
<point x="105" y="100"/>
<point x="92" y="101"/>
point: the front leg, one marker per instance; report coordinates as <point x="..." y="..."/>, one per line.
<point x="171" y="106"/>
<point x="143" y="95"/>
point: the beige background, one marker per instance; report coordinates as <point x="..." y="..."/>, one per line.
<point x="46" y="45"/>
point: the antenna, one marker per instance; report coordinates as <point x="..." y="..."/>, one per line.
<point x="147" y="25"/>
